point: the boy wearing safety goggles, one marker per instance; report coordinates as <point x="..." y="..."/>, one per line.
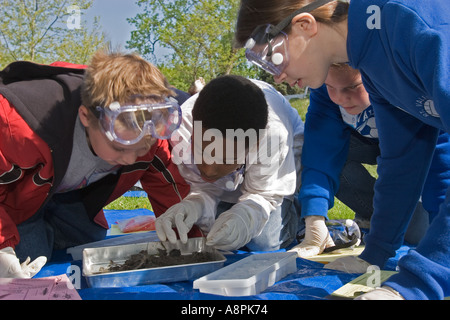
<point x="239" y="148"/>
<point x="73" y="140"/>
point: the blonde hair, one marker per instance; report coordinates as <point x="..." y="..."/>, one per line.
<point x="253" y="13"/>
<point x="115" y="77"/>
<point x="343" y="67"/>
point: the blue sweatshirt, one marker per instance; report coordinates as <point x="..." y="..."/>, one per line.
<point x="327" y="137"/>
<point x="405" y="66"/>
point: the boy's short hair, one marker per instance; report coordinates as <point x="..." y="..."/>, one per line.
<point x="116" y="77"/>
<point x="231" y="102"/>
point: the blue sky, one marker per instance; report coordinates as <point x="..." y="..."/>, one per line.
<point x="113" y="15"/>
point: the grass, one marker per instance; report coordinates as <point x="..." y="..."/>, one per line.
<point x="339" y="211"/>
<point x="130" y="203"/>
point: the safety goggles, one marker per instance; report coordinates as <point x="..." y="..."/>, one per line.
<point x="231" y="181"/>
<point x="267" y="47"/>
<point x="268" y="52"/>
<point x="129" y="123"/>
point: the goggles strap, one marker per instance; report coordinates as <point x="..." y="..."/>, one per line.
<point x="286" y="21"/>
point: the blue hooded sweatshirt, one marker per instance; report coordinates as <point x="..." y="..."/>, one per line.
<point x="402" y="48"/>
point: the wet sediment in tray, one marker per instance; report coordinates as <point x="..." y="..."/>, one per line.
<point x="144" y="260"/>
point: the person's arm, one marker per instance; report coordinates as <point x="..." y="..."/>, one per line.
<point x="325" y="151"/>
<point x="407" y="146"/>
<point x="438" y="179"/>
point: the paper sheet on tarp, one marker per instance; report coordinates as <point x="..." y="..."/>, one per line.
<point x="329" y="257"/>
<point x="52" y="288"/>
<point x="363" y="284"/>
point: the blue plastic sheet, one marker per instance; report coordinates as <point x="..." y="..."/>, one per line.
<point x="310" y="282"/>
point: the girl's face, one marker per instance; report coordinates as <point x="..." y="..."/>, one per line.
<point x="312" y="48"/>
<point x="306" y="68"/>
<point x="346" y="89"/>
<point x="110" y="151"/>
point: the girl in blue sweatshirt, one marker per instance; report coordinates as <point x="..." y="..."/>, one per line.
<point x="401" y="48"/>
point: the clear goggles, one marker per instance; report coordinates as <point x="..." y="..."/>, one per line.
<point x="268" y="45"/>
<point x="268" y="52"/>
<point x="129" y="123"/>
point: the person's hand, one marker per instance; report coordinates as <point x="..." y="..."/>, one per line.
<point x="383" y="293"/>
<point x="10" y="266"/>
<point x="230" y="231"/>
<point x="349" y="264"/>
<point x="317" y="238"/>
<point x="182" y="216"/>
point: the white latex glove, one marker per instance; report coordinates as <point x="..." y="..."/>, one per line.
<point x="349" y="264"/>
<point x="10" y="266"/>
<point x="231" y="230"/>
<point x="183" y="216"/>
<point x="317" y="238"/>
<point x="383" y="293"/>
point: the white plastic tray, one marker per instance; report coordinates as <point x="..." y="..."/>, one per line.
<point x="248" y="276"/>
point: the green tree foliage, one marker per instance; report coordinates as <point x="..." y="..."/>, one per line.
<point x="44" y="31"/>
<point x="197" y="34"/>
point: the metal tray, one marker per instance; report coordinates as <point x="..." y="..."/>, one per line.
<point x="96" y="258"/>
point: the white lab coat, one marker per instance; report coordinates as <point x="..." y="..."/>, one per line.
<point x="264" y="184"/>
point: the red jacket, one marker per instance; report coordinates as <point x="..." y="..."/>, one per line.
<point x="38" y="110"/>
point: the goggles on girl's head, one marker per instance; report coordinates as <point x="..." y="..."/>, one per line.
<point x="129" y="123"/>
<point x="268" y="45"/>
<point x="268" y="52"/>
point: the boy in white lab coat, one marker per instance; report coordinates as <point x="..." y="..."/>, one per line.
<point x="239" y="148"/>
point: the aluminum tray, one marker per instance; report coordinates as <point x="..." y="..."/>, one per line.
<point x="96" y="258"/>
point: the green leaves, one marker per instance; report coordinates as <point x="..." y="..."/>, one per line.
<point x="197" y="36"/>
<point x="46" y="31"/>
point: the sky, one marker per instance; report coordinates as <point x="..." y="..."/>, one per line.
<point x="113" y="15"/>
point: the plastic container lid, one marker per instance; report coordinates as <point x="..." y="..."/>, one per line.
<point x="248" y="276"/>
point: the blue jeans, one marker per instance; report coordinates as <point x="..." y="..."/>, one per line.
<point x="280" y="230"/>
<point x="356" y="189"/>
<point x="60" y="224"/>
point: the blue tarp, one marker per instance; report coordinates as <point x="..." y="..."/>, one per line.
<point x="310" y="282"/>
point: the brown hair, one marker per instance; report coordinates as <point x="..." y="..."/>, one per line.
<point x="114" y="77"/>
<point x="253" y="13"/>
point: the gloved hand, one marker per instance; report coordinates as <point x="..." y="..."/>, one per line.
<point x="383" y="293"/>
<point x="10" y="266"/>
<point x="349" y="264"/>
<point x="231" y="230"/>
<point x="183" y="216"/>
<point x="317" y="238"/>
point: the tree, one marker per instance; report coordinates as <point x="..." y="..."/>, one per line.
<point x="198" y="35"/>
<point x="44" y="31"/>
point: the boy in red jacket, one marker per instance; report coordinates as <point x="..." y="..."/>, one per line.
<point x="73" y="140"/>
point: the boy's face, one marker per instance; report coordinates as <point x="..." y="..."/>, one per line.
<point x="213" y="169"/>
<point x="110" y="151"/>
<point x="346" y="89"/>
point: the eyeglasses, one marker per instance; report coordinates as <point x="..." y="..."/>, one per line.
<point x="128" y="124"/>
<point x="267" y="47"/>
